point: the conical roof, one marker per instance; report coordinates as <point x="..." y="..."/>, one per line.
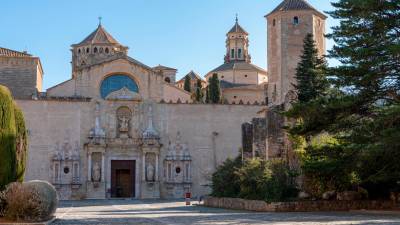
<point x="292" y="5"/>
<point x="99" y="36"/>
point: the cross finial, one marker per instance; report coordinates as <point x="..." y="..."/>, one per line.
<point x="100" y="18"/>
<point x="237" y="20"/>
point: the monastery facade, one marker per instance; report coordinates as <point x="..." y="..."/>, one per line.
<point x="121" y="129"/>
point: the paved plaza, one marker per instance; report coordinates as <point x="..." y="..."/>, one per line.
<point x="173" y="212"/>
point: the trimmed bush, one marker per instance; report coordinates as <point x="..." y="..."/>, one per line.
<point x="33" y="201"/>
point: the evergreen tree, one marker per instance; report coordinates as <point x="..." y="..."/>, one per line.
<point x="199" y="93"/>
<point x="214" y="89"/>
<point x="187" y="86"/>
<point x="310" y="73"/>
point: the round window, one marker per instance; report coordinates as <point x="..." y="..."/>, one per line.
<point x="178" y="170"/>
<point x="66" y="170"/>
<point x="117" y="82"/>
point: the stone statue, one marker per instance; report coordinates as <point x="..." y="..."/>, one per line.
<point x="123" y="124"/>
<point x="150" y="172"/>
<point x="96" y="172"/>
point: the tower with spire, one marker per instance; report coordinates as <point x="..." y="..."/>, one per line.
<point x="237" y="44"/>
<point x="287" y="25"/>
<point x="95" y="48"/>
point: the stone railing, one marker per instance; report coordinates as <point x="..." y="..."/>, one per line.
<point x="300" y="206"/>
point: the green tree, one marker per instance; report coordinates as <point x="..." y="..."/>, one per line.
<point x="310" y="72"/>
<point x="187" y="86"/>
<point x="214" y="89"/>
<point x="199" y="93"/>
<point x="225" y="182"/>
<point x="13" y="140"/>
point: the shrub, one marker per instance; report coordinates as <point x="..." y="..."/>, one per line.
<point x="21" y="144"/>
<point x="32" y="201"/>
<point x="225" y="183"/>
<point x="271" y="181"/>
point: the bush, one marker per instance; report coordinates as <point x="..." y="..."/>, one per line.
<point x="254" y="179"/>
<point x="32" y="201"/>
<point x="225" y="181"/>
<point x="21" y="144"/>
<point x="271" y="181"/>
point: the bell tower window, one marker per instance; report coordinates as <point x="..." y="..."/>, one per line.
<point x="296" y="20"/>
<point x="95" y="50"/>
<point x="239" y="53"/>
<point x="232" y="53"/>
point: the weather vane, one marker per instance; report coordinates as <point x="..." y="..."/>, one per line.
<point x="100" y="18"/>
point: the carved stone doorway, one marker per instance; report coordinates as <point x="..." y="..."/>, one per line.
<point x="123" y="178"/>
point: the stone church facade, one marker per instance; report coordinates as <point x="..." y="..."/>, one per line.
<point x="121" y="129"/>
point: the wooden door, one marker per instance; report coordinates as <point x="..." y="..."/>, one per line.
<point x="123" y="179"/>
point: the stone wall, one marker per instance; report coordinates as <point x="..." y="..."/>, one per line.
<point x="22" y="75"/>
<point x="301" y="206"/>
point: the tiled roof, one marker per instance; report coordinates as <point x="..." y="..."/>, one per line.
<point x="99" y="36"/>
<point x="237" y="29"/>
<point x="161" y="67"/>
<point x="193" y="75"/>
<point x="228" y="85"/>
<point x="238" y="65"/>
<point x="289" y="5"/>
<point x="9" y="52"/>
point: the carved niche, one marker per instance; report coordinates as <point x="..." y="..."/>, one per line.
<point x="124" y="116"/>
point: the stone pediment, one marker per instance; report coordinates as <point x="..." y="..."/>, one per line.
<point x="124" y="94"/>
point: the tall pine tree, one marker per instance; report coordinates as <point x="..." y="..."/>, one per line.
<point x="310" y="73"/>
<point x="187" y="86"/>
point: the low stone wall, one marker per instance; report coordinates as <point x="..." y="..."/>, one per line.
<point x="301" y="206"/>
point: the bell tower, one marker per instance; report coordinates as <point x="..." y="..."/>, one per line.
<point x="237" y="44"/>
<point x="287" y="26"/>
<point x="95" y="48"/>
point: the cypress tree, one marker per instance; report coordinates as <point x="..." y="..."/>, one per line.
<point x="214" y="89"/>
<point x="187" y="86"/>
<point x="7" y="138"/>
<point x="21" y="143"/>
<point x="310" y="73"/>
<point x="199" y="93"/>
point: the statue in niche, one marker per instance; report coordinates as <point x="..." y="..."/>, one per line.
<point x="96" y="172"/>
<point x="150" y="172"/>
<point x="123" y="124"/>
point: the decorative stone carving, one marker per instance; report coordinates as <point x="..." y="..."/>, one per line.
<point x="96" y="172"/>
<point x="124" y="94"/>
<point x="150" y="173"/>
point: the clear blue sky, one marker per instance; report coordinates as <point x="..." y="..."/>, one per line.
<point x="184" y="34"/>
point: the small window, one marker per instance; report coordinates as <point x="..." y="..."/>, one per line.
<point x="296" y="20"/>
<point x="66" y="170"/>
<point x="167" y="79"/>
<point x="107" y="51"/>
<point x="178" y="170"/>
<point x="239" y="53"/>
<point x="235" y="97"/>
<point x="95" y="50"/>
<point x="273" y="22"/>
<point x="87" y="50"/>
<point x="245" y="75"/>
<point x="101" y="50"/>
<point x="232" y="53"/>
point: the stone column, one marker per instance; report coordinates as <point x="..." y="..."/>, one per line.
<point x="156" y="177"/>
<point x="89" y="167"/>
<point x="102" y="167"/>
<point x="144" y="167"/>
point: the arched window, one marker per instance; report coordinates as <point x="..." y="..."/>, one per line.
<point x="101" y="50"/>
<point x="167" y="79"/>
<point x="79" y="51"/>
<point x="232" y="53"/>
<point x="117" y="82"/>
<point x="273" y="22"/>
<point x="95" y="50"/>
<point x="107" y="51"/>
<point x="87" y="50"/>
<point x="296" y="20"/>
<point x="239" y="53"/>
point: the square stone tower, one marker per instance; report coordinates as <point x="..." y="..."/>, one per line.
<point x="287" y="26"/>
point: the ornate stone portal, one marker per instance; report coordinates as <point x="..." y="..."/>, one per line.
<point x="177" y="167"/>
